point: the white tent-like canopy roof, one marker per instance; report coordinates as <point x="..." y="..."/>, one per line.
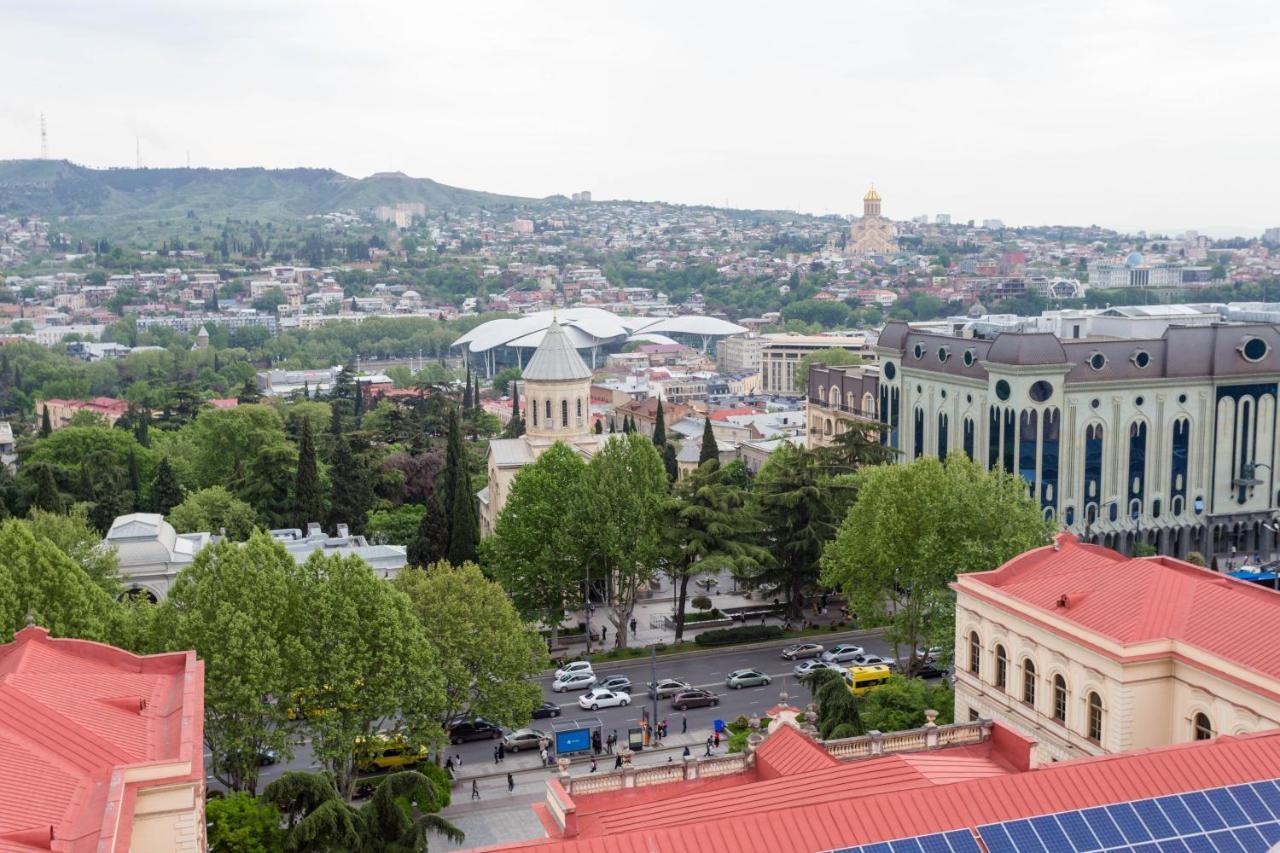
<point x="588" y="327"/>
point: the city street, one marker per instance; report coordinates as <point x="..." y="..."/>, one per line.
<point x="701" y="669"/>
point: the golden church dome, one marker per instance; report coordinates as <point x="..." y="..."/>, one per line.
<point x="871" y="195"/>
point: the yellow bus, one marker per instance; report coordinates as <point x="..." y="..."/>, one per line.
<point x="386" y="751"/>
<point x="860" y="679"/>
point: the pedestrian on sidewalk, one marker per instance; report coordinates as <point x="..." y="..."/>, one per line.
<point x="633" y="626"/>
<point x="595" y="742"/>
<point x="708" y="753"/>
<point x="617" y="761"/>
<point x="475" y="790"/>
<point x="604" y="633"/>
<point x="717" y="737"/>
<point x="457" y="762"/>
<point x="684" y="723"/>
<point x="544" y="756"/>
<point x="593" y="764"/>
<point x="511" y="784"/>
<point x="448" y="767"/>
<point x="686" y="751"/>
<point x="496" y="759"/>
<point x="502" y="752"/>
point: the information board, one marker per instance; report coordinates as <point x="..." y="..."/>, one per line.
<point x="574" y="740"/>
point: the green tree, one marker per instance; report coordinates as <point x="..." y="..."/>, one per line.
<point x="431" y="542"/>
<point x="219" y="438"/>
<point x="308" y="496"/>
<point x="620" y="518"/>
<point x="398" y="526"/>
<point x="351" y="494"/>
<point x="913" y="528"/>
<point x="659" y="427"/>
<point x="670" y="462"/>
<point x="464" y="522"/>
<point x="213" y="510"/>
<point x="533" y="552"/>
<point x="475" y="628"/>
<point x="248" y="393"/>
<point x="46" y="428"/>
<point x="235" y="607"/>
<point x="47" y="496"/>
<point x="74" y="536"/>
<point x="454" y="457"/>
<point x="831" y="357"/>
<point x="502" y="379"/>
<point x="901" y="704"/>
<point x="267" y="485"/>
<point x="241" y="823"/>
<point x="706" y="531"/>
<point x="39" y="581"/>
<point x="839" y="712"/>
<point x="135" y="482"/>
<point x="710" y="450"/>
<point x="165" y="491"/>
<point x="367" y="659"/>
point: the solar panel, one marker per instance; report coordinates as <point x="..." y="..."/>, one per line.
<point x="1232" y="819"/>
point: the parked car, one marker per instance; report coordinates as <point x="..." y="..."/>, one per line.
<point x="597" y="698"/>
<point x="615" y="682"/>
<point x="931" y="668"/>
<point x="740" y="678"/>
<point x="573" y="681"/>
<point x="387" y="751"/>
<point x="546" y="709"/>
<point x="476" y="728"/>
<point x="575" y="666"/>
<point x="694" y="698"/>
<point x="874" y="660"/>
<point x="843" y="653"/>
<point x="525" y="739"/>
<point x="667" y="687"/>
<point x="802" y="650"/>
<point x="806" y="668"/>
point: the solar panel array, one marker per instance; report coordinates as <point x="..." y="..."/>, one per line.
<point x="1233" y="819"/>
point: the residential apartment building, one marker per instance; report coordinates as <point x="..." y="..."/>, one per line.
<point x="61" y="412"/>
<point x="839" y="396"/>
<point x="739" y="354"/>
<point x="781" y="354"/>
<point x="1169" y="441"/>
<point x="1087" y="651"/>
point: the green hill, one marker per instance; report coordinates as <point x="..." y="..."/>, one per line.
<point x="61" y="188"/>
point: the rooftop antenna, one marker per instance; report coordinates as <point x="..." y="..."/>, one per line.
<point x="44" y="139"/>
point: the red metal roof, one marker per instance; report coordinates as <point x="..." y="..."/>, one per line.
<point x="1135" y="601"/>
<point x="751" y="819"/>
<point x="73" y="714"/>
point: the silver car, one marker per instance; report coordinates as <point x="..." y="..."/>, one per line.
<point x="802" y="650"/>
<point x="574" y="681"/>
<point x="806" y="668"/>
<point x="525" y="739"/>
<point x="667" y="687"/>
<point x="843" y="653"/>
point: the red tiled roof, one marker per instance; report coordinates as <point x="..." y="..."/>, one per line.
<point x="861" y="811"/>
<point x="73" y="714"/>
<point x="1132" y="601"/>
<point x="787" y="752"/>
<point x="725" y="414"/>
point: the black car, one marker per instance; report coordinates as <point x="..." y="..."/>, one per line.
<point x="477" y="728"/>
<point x="546" y="709"/>
<point x="932" y="668"/>
<point x="694" y="699"/>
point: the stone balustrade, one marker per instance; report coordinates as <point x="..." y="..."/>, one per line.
<point x="930" y="736"/>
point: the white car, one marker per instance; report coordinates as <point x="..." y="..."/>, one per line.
<point x="843" y="653"/>
<point x="874" y="660"/>
<point x="574" y="681"/>
<point x="806" y="668"/>
<point x="594" y="700"/>
<point x="575" y="666"/>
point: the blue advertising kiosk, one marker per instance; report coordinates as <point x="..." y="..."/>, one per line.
<point x="573" y="737"/>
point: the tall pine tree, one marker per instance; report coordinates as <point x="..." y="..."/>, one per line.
<point x="710" y="450"/>
<point x="47" y="495"/>
<point x="669" y="461"/>
<point x="464" y="525"/>
<point x="135" y="483"/>
<point x="659" y="428"/>
<point x="431" y="544"/>
<point x="466" y="392"/>
<point x="46" y="428"/>
<point x="165" y="491"/>
<point x="352" y="493"/>
<point x="452" y="456"/>
<point x="308" y="498"/>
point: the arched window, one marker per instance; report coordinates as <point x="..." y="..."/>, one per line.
<point x="1002" y="668"/>
<point x="826" y="427"/>
<point x="579" y="407"/>
<point x="533" y="407"/>
<point x="1095" y="718"/>
<point x="564" y="413"/>
<point x="835" y="397"/>
<point x="1029" y="682"/>
<point x="550" y="422"/>
<point x="975" y="653"/>
<point x="1202" y="727"/>
<point x="1060" y="698"/>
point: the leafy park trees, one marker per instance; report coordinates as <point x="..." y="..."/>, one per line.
<point x="38" y="581"/>
<point x="913" y="528"/>
<point x="485" y="653"/>
<point x="534" y="552"/>
<point x="901" y="704"/>
<point x="165" y="491"/>
<point x="214" y="509"/>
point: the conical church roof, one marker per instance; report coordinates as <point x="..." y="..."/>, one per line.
<point x="555" y="359"/>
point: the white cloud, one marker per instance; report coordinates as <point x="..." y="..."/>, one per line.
<point x="1139" y="114"/>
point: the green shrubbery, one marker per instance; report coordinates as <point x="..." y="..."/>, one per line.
<point x="741" y="634"/>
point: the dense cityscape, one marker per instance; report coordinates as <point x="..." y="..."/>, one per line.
<point x="381" y="514"/>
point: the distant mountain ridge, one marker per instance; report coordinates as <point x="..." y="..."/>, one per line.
<point x="62" y="188"/>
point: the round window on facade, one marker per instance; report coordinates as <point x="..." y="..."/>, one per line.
<point x="919" y="351"/>
<point x="1141" y="358"/>
<point x="968" y="398"/>
<point x="1182" y="398"/>
<point x="1097" y="361"/>
<point x="1040" y="391"/>
<point x="943" y="392"/>
<point x="1254" y="349"/>
<point x="889" y="370"/>
<point x="943" y="354"/>
<point x="1139" y="401"/>
<point x="969" y="358"/>
<point x="1095" y="403"/>
<point x="919" y="389"/>
<point x="1002" y="390"/>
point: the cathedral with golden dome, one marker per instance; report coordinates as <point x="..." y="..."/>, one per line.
<point x="872" y="234"/>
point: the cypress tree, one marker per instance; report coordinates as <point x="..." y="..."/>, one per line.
<point x="466" y="392"/>
<point x="475" y="399"/>
<point x="85" y="490"/>
<point x="249" y="392"/>
<point x="452" y="456"/>
<point x="335" y="420"/>
<point x="659" y="427"/>
<point x="47" y="496"/>
<point x="669" y="462"/>
<point x="165" y="491"/>
<point x="352" y="493"/>
<point x="464" y="525"/>
<point x="432" y="542"/>
<point x="141" y="427"/>
<point x="613" y="427"/>
<point x="135" y="483"/>
<point x="709" y="448"/>
<point x="308" y="501"/>
<point x="359" y="406"/>
<point x="46" y="428"/>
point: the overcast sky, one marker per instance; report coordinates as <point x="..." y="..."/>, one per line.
<point x="1127" y="113"/>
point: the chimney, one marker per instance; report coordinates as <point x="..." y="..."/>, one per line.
<point x="342" y="531"/>
<point x="313" y="529"/>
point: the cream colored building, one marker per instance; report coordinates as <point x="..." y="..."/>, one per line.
<point x="556" y="385"/>
<point x="872" y="234"/>
<point x="1090" y="652"/>
<point x="781" y="354"/>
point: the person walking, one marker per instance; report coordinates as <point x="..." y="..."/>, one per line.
<point x="475" y="790"/>
<point x="708" y="752"/>
<point x="633" y="626"/>
<point x="593" y="764"/>
<point x="511" y="784"/>
<point x="595" y="742"/>
<point x="448" y="767"/>
<point x="617" y="761"/>
<point x="496" y="758"/>
<point x="604" y="633"/>
<point x="684" y="723"/>
<point x="717" y="737"/>
<point x="543" y="753"/>
<point x="457" y="762"/>
<point x="502" y="752"/>
<point x="686" y="751"/>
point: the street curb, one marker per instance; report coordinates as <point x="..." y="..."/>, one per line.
<point x="710" y="650"/>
